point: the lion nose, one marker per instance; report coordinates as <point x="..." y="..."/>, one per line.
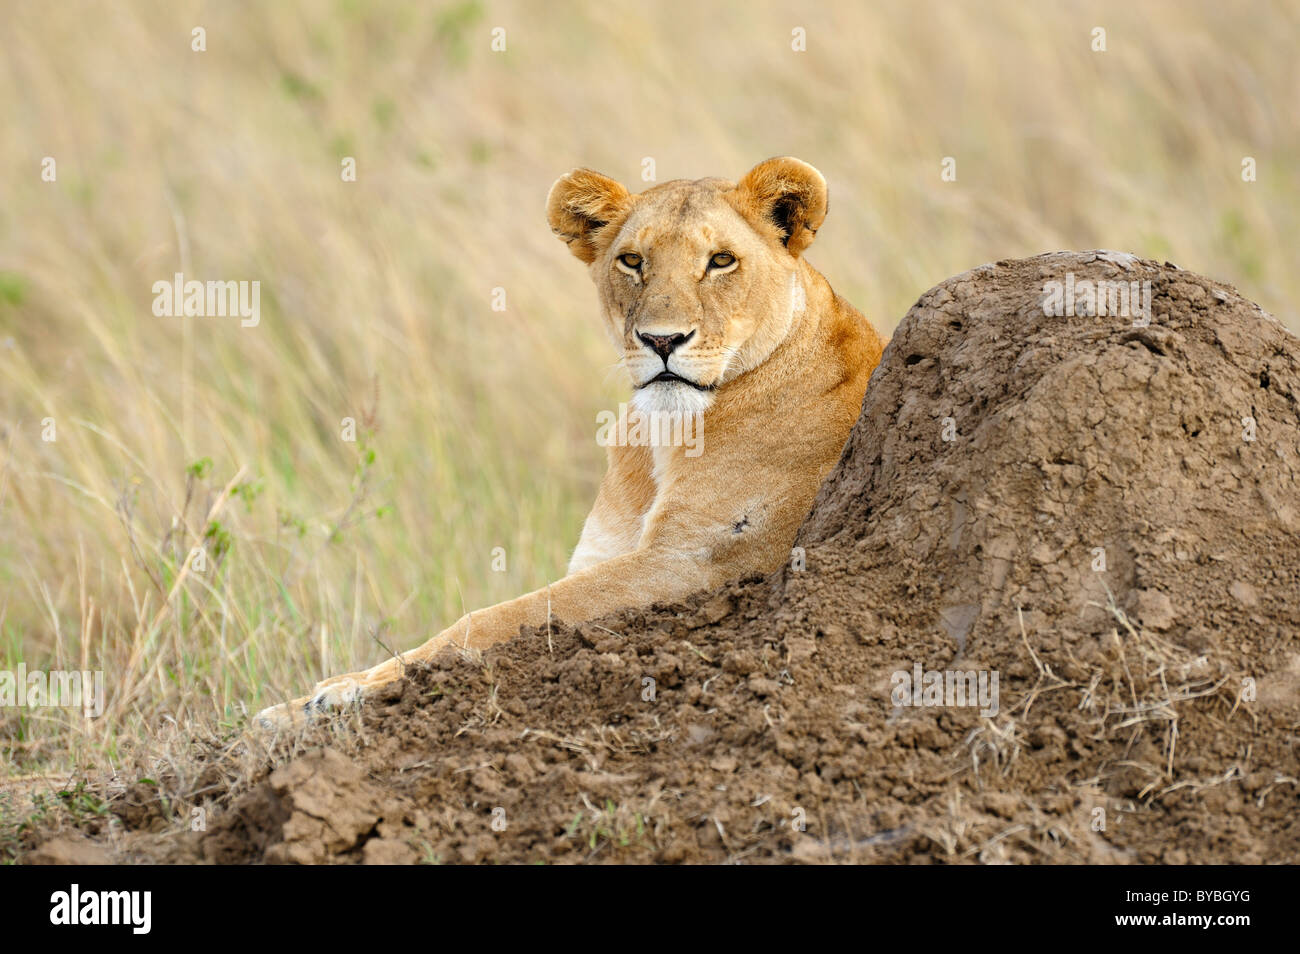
<point x="664" y="345"/>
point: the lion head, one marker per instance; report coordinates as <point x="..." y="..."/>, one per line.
<point x="698" y="280"/>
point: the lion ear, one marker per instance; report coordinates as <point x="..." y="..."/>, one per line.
<point x="582" y="203"/>
<point x="784" y="194"/>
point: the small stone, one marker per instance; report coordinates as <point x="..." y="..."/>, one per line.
<point x="717" y="608"/>
<point x="1244" y="593"/>
<point x="725" y="764"/>
<point x="386" y="851"/>
<point x="1154" y="609"/>
<point x="1041" y="554"/>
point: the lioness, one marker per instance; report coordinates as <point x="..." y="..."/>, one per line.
<point x="721" y="321"/>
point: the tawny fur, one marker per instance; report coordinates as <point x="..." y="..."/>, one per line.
<point x="779" y="365"/>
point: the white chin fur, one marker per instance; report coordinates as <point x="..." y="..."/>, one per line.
<point x="670" y="397"/>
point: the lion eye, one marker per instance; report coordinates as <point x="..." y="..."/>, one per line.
<point x="722" y="260"/>
<point x="630" y="260"/>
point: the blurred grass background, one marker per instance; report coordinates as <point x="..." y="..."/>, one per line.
<point x="476" y="427"/>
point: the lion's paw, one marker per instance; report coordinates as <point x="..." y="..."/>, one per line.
<point x="328" y="698"/>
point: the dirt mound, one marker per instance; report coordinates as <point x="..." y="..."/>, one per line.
<point x="1089" y="527"/>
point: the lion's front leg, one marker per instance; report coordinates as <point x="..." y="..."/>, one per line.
<point x="633" y="579"/>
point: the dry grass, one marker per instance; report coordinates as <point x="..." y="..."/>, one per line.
<point x="1133" y="698"/>
<point x="1144" y="691"/>
<point x="476" y="426"/>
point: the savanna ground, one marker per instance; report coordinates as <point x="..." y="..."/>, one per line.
<point x="475" y="427"/>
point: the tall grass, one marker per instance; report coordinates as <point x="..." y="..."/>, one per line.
<point x="475" y="427"/>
